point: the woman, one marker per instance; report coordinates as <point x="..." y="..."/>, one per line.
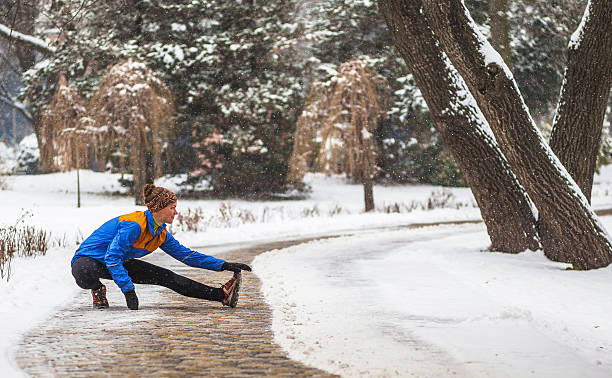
<point x="112" y="252"/>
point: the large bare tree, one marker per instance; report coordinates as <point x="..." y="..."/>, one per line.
<point x="503" y="203"/>
<point x="573" y="232"/>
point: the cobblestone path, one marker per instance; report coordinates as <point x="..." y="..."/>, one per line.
<point x="169" y="336"/>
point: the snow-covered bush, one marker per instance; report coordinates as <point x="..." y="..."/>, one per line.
<point x="20" y="159"/>
<point x="27" y="155"/>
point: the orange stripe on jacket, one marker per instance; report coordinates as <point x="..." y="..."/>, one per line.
<point x="146" y="240"/>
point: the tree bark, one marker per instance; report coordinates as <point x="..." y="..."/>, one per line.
<point x="368" y="186"/>
<point x="500" y="30"/>
<point x="575" y="234"/>
<point x="577" y="126"/>
<point x="503" y="203"/>
<point x="368" y="194"/>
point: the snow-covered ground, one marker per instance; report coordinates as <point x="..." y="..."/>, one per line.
<point x="432" y="302"/>
<point x="418" y="301"/>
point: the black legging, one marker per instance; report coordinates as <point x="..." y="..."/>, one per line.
<point x="87" y="272"/>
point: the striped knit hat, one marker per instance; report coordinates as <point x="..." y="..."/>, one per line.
<point x="156" y="197"/>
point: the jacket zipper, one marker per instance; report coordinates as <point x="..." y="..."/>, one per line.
<point x="154" y="236"/>
<point x="149" y="242"/>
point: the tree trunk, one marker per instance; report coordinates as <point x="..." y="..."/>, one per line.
<point x="44" y="137"/>
<point x="503" y="203"/>
<point x="14" y="120"/>
<point x="368" y="187"/>
<point x="575" y="234"/>
<point x="139" y="165"/>
<point x="25" y="16"/>
<point x="576" y="134"/>
<point x="500" y="31"/>
<point x="78" y="165"/>
<point x="368" y="194"/>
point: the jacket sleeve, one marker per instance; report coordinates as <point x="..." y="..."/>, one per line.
<point x="127" y="234"/>
<point x="187" y="256"/>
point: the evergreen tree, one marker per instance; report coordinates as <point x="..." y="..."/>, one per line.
<point x="227" y="64"/>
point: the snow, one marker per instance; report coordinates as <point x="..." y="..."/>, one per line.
<point x="432" y="302"/>
<point x="488" y="52"/>
<point x="425" y="301"/>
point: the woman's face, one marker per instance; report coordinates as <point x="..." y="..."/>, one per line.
<point x="167" y="214"/>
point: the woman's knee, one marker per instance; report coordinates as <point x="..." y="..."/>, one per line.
<point x="84" y="271"/>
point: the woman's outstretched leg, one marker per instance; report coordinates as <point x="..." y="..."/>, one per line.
<point x="142" y="272"/>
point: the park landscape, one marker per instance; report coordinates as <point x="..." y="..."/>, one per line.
<point x="426" y="194"/>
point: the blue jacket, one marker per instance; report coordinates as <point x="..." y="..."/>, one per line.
<point x="131" y="236"/>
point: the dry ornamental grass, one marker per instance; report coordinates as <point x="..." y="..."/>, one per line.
<point x="22" y="241"/>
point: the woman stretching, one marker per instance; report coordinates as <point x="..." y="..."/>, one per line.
<point x="112" y="252"/>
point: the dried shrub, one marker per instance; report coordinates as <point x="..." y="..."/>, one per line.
<point x="59" y="151"/>
<point x="337" y="210"/>
<point x="3" y="182"/>
<point x="305" y="147"/>
<point x="191" y="220"/>
<point x="343" y="113"/>
<point x="133" y="109"/>
<point x="22" y="241"/>
<point x="438" y="199"/>
<point x="311" y="212"/>
<point x="228" y="216"/>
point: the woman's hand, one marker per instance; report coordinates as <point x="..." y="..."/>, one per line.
<point x="131" y="299"/>
<point x="235" y="267"/>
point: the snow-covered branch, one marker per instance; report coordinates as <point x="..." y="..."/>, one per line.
<point x="18" y="105"/>
<point x="24" y="39"/>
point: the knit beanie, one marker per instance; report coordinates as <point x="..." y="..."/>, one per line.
<point x="156" y="197"/>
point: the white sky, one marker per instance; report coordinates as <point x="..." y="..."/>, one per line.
<point x="425" y="301"/>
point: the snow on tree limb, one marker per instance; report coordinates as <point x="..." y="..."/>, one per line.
<point x="20" y="106"/>
<point x="31" y="41"/>
<point x="577" y="36"/>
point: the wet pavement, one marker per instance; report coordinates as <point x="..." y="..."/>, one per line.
<point x="169" y="336"/>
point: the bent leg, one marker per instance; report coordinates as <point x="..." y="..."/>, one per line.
<point x="142" y="272"/>
<point x="87" y="272"/>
